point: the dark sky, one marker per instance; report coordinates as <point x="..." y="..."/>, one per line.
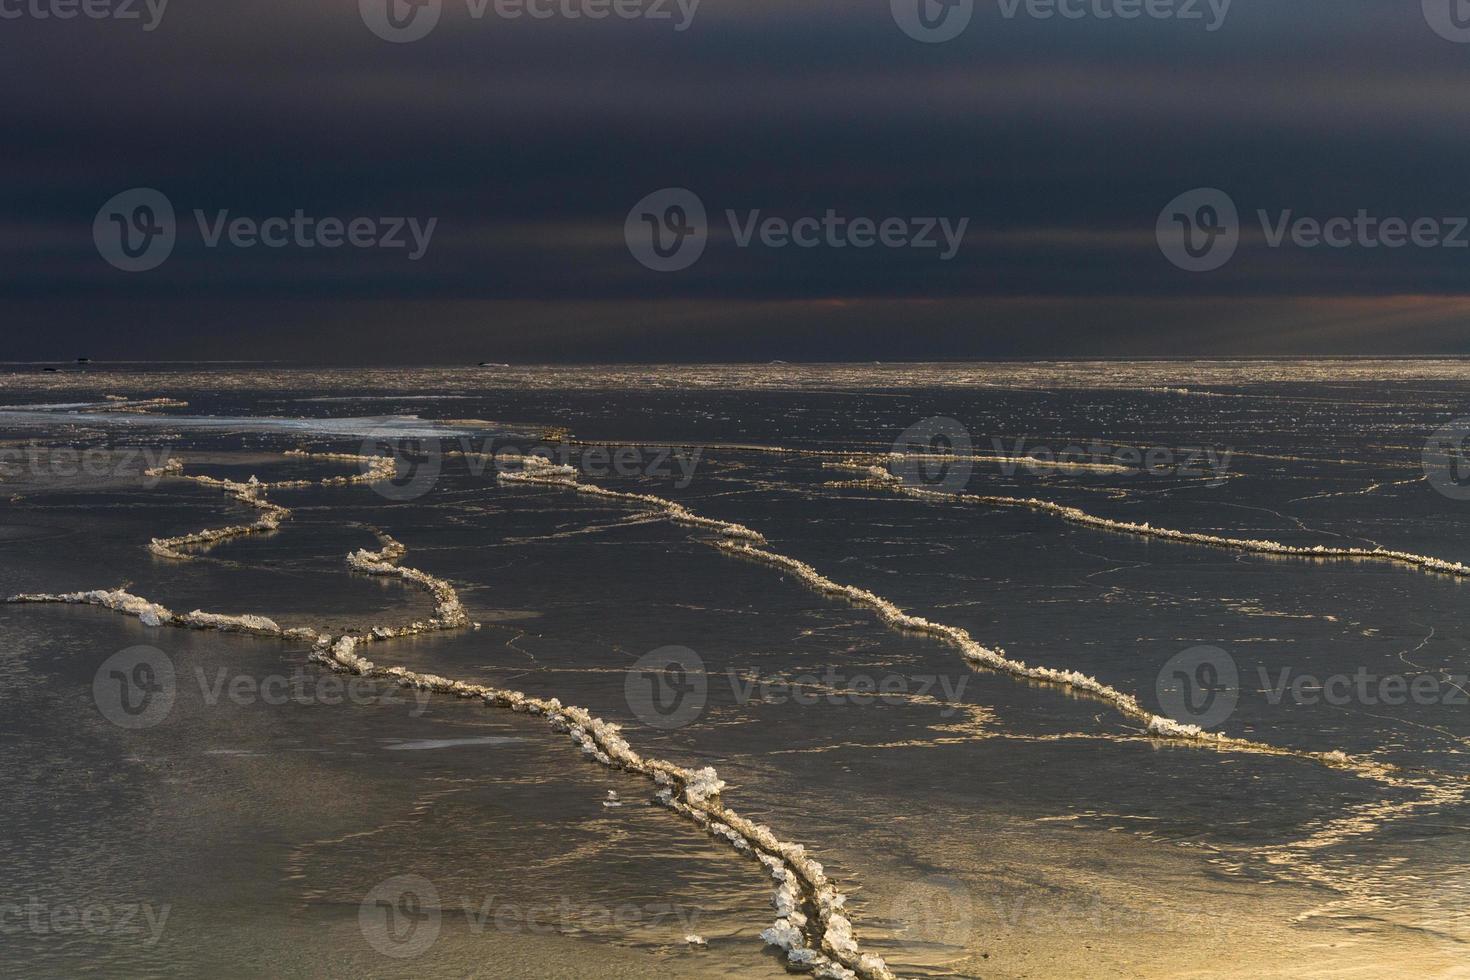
<point x="530" y="140"/>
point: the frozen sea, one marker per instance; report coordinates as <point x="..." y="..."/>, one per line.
<point x="186" y="802"/>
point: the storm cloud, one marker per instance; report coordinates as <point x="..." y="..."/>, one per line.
<point x="528" y="140"/>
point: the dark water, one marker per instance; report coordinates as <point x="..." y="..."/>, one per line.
<point x="981" y="825"/>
